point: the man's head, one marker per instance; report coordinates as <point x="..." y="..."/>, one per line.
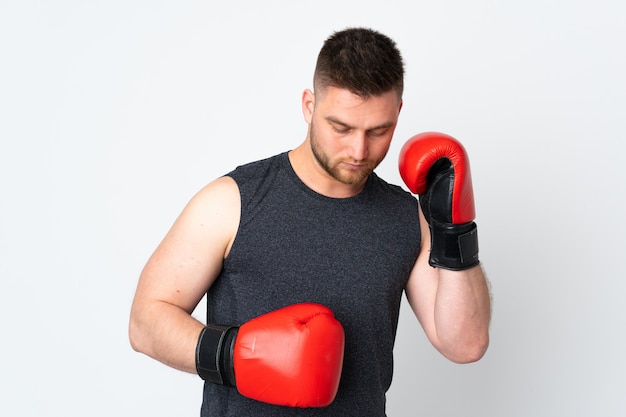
<point x="354" y="109"/>
<point x="360" y="60"/>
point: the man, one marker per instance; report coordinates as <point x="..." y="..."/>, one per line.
<point x="315" y="225"/>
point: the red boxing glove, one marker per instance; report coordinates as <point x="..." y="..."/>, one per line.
<point x="435" y="166"/>
<point x="292" y="356"/>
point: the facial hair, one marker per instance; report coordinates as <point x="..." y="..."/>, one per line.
<point x="334" y="169"/>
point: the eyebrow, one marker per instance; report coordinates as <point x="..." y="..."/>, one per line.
<point x="331" y="119"/>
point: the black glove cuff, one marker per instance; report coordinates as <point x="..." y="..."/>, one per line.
<point x="454" y="246"/>
<point x="214" y="354"/>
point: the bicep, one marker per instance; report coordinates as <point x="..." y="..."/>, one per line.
<point x="190" y="256"/>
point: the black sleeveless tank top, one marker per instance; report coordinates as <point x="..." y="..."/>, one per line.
<point x="293" y="245"/>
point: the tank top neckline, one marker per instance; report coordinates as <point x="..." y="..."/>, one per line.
<point x="286" y="164"/>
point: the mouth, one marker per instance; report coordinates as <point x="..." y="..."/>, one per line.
<point x="355" y="166"/>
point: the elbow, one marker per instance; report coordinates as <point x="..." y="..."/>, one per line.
<point x="465" y="347"/>
<point x="133" y="339"/>
<point x="469" y="352"/>
<point x="135" y="335"/>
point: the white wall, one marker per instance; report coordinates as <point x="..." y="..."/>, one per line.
<point x="112" y="114"/>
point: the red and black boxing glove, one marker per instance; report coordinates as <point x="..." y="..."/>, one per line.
<point x="292" y="356"/>
<point x="436" y="166"/>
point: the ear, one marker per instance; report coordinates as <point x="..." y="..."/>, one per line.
<point x="308" y="104"/>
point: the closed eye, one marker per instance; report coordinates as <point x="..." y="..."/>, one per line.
<point x="340" y="127"/>
<point x="341" y="130"/>
<point x="377" y="133"/>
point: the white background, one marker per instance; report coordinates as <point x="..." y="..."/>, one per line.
<point x="114" y="113"/>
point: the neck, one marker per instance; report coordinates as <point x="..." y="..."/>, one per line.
<point x="316" y="178"/>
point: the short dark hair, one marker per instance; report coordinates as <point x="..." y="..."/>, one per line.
<point x="361" y="60"/>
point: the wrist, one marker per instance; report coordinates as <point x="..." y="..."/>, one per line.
<point x="214" y="354"/>
<point x="453" y="246"/>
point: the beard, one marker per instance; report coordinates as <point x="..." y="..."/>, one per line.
<point x="333" y="168"/>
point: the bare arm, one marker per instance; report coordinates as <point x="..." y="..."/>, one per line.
<point x="179" y="273"/>
<point x="453" y="307"/>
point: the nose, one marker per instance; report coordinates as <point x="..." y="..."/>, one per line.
<point x="359" y="146"/>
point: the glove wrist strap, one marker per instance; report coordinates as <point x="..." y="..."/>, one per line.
<point x="214" y="354"/>
<point x="453" y="246"/>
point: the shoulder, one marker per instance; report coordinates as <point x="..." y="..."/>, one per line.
<point x="257" y="168"/>
<point x="222" y="191"/>
<point x="215" y="204"/>
<point x="219" y="202"/>
<point x="213" y="208"/>
<point x="391" y="191"/>
<point x="255" y="179"/>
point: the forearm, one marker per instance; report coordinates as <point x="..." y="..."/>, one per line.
<point x="166" y="333"/>
<point x="447" y="289"/>
<point x="462" y="313"/>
